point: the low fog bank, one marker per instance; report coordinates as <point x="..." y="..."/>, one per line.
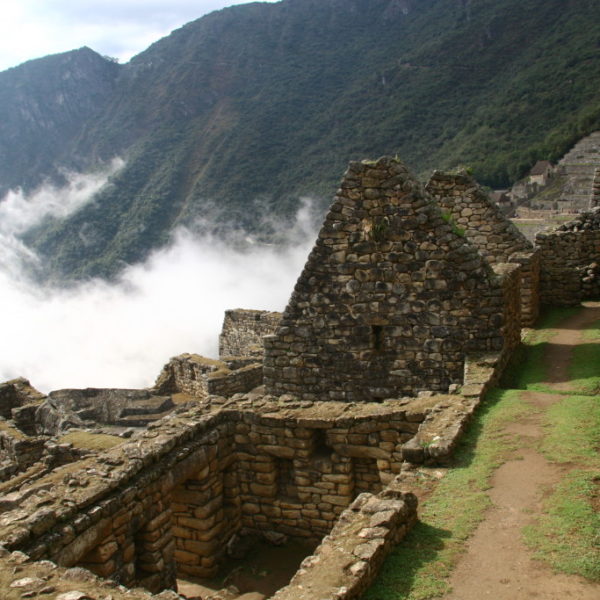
<point x="20" y="212"/>
<point x="101" y="334"/>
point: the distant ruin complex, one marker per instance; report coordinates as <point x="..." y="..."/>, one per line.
<point x="580" y="166"/>
<point x="406" y="312"/>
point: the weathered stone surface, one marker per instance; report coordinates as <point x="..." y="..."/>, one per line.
<point x="243" y="332"/>
<point x="570" y="258"/>
<point x="413" y="298"/>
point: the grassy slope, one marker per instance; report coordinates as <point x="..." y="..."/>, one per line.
<point x="566" y="535"/>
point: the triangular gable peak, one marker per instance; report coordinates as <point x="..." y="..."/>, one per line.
<point x="466" y="204"/>
<point x="469" y="207"/>
<point x="390" y="300"/>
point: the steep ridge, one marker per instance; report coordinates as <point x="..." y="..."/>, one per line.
<point x="234" y="116"/>
<point x="44" y="104"/>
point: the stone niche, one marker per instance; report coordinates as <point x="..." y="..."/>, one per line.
<point x="391" y="300"/>
<point x="468" y="208"/>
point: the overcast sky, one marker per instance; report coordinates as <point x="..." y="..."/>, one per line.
<point x="119" y="28"/>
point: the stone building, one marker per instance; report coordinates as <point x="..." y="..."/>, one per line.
<point x="392" y="297"/>
<point x="465" y="204"/>
<point x="541" y="172"/>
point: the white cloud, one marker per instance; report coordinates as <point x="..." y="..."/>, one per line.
<point x="19" y="212"/>
<point x="120" y="28"/>
<point x="120" y="335"/>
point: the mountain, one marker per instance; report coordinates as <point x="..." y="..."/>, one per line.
<point x="44" y="106"/>
<point x="235" y="116"/>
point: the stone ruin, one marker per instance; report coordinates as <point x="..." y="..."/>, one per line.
<point x="391" y="300"/>
<point x="469" y="209"/>
<point x="402" y="319"/>
<point x="570" y="258"/>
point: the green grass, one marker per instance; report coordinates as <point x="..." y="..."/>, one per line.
<point x="568" y="534"/>
<point x="573" y="431"/>
<point x="419" y="568"/>
<point x="527" y="370"/>
<point x="91" y="441"/>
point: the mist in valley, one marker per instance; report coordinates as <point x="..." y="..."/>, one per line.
<point x="120" y="334"/>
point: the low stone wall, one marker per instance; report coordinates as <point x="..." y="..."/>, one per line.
<point x="169" y="499"/>
<point x="442" y="429"/>
<point x="235" y="382"/>
<point x="201" y="377"/>
<point x="243" y="331"/>
<point x="570" y="256"/>
<point x="349" y="558"/>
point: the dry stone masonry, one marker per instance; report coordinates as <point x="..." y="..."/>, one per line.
<point x="469" y="210"/>
<point x="200" y="377"/>
<point x="391" y="299"/>
<point x="243" y="332"/>
<point x="405" y="314"/>
<point x="570" y="258"/>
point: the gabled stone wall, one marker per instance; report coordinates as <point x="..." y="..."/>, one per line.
<point x="243" y="331"/>
<point x="469" y="209"/>
<point x="390" y="300"/>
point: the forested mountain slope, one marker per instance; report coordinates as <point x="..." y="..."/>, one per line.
<point x="238" y="114"/>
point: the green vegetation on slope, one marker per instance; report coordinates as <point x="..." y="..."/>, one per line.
<point x="251" y="107"/>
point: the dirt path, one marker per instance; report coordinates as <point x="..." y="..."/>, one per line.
<point x="497" y="563"/>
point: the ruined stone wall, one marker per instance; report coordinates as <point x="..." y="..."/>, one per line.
<point x="17" y="451"/>
<point x="570" y="258"/>
<point x="363" y="536"/>
<point x="243" y="331"/>
<point x="200" y="377"/>
<point x="297" y="476"/>
<point x="169" y="500"/>
<point x="236" y="382"/>
<point x="390" y="300"/>
<point x="469" y="209"/>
